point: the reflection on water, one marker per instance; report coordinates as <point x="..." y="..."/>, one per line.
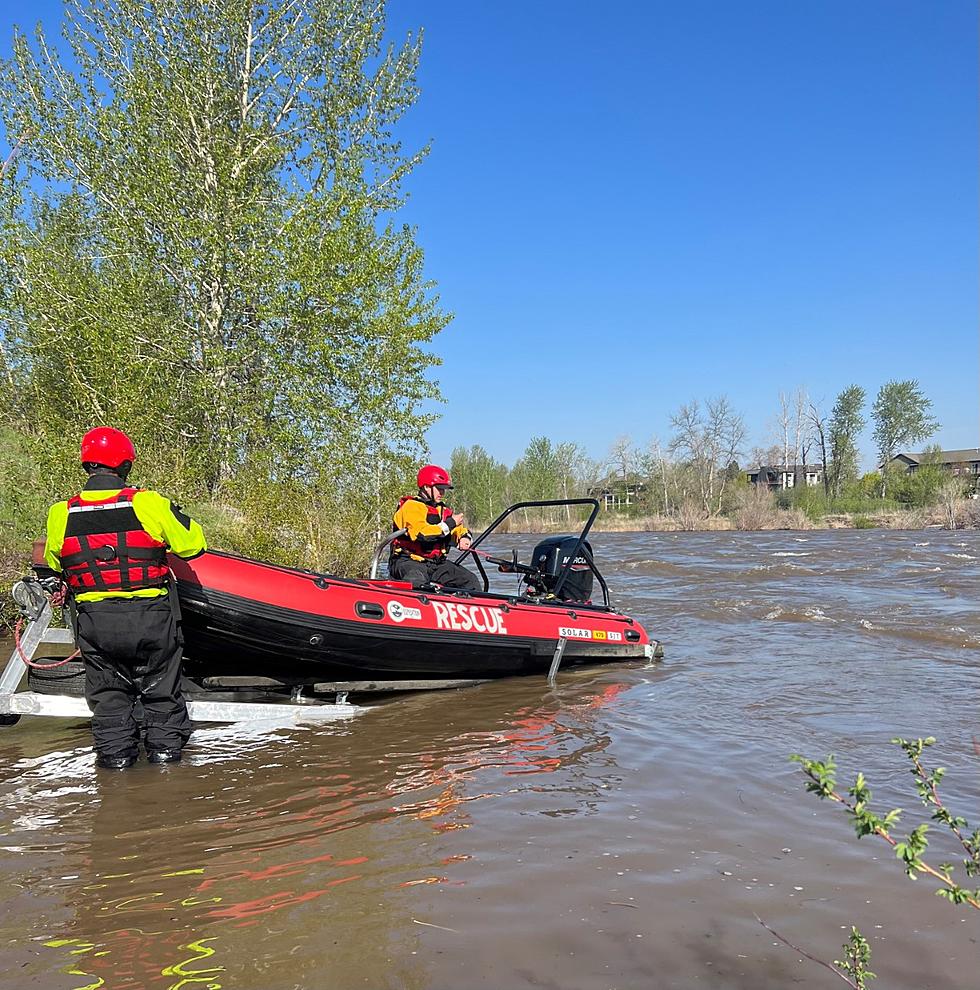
<point x="621" y="829"/>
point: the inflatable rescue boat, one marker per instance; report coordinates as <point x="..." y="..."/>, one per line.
<point x="243" y="616"/>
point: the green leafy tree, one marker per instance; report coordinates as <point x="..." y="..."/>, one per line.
<point x="569" y="461"/>
<point x="198" y="243"/>
<point x="846" y="423"/>
<point x="480" y="484"/>
<point x="901" y="418"/>
<point x="545" y="471"/>
<point x="535" y="474"/>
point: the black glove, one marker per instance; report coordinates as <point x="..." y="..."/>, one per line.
<point x="52" y="585"/>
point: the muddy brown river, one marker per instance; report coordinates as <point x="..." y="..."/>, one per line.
<point x="620" y="830"/>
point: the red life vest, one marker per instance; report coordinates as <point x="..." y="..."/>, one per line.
<point x="428" y="551"/>
<point x="107" y="549"/>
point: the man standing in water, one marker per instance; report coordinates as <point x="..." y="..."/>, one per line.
<point x="419" y="555"/>
<point x="109" y="543"/>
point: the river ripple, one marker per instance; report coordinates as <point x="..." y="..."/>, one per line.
<point x="619" y="831"/>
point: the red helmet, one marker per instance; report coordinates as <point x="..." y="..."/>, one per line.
<point x="108" y="447"/>
<point x="432" y="474"/>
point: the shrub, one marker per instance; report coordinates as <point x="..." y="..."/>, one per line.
<point x="918" y="489"/>
<point x="910" y="851"/>
<point x="690" y="515"/>
<point x="811" y="500"/>
<point x="857" y="503"/>
<point x="755" y="509"/>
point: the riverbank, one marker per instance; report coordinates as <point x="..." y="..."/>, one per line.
<point x="965" y="514"/>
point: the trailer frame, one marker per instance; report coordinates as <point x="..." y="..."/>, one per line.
<point x="297" y="707"/>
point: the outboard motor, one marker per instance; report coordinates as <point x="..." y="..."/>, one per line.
<point x="550" y="557"/>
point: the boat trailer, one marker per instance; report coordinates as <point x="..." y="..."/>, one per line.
<point x="296" y="707"/>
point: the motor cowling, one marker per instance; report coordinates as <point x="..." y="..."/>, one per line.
<point x="552" y="556"/>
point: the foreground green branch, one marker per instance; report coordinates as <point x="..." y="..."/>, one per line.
<point x="853" y="969"/>
<point x="823" y="783"/>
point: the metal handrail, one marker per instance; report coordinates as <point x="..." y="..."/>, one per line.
<point x="376" y="559"/>
<point x="536" y="504"/>
<point x="595" y="570"/>
<point x="544" y="503"/>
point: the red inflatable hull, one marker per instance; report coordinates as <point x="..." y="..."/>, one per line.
<point x="242" y="616"/>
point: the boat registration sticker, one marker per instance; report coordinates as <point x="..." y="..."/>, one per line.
<point x="467" y="618"/>
<point x="399" y="612"/>
<point x="572" y="632"/>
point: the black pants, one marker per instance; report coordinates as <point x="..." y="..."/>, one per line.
<point x="132" y="651"/>
<point x="423" y="572"/>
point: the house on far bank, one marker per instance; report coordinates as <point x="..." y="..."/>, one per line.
<point x="959" y="462"/>
<point x="779" y="477"/>
<point x="617" y="493"/>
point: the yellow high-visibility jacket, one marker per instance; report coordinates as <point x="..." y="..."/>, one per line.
<point x="432" y="529"/>
<point x="163" y="520"/>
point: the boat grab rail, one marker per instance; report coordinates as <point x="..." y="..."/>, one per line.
<point x="579" y="548"/>
<point x="376" y="559"/>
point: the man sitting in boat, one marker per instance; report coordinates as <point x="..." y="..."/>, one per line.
<point x="419" y="555"/>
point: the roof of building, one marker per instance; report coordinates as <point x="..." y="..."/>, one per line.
<point x="942" y="457"/>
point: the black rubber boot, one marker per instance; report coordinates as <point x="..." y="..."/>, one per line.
<point x="164" y="756"/>
<point x="114" y="762"/>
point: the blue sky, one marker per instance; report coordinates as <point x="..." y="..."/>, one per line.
<point x="628" y="206"/>
<point x="637" y="204"/>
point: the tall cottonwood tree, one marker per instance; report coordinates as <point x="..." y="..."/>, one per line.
<point x="794" y="428"/>
<point x="707" y="440"/>
<point x="845" y="424"/>
<point x="624" y="458"/>
<point x="901" y="417"/>
<point x="199" y="244"/>
<point x="546" y="470"/>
